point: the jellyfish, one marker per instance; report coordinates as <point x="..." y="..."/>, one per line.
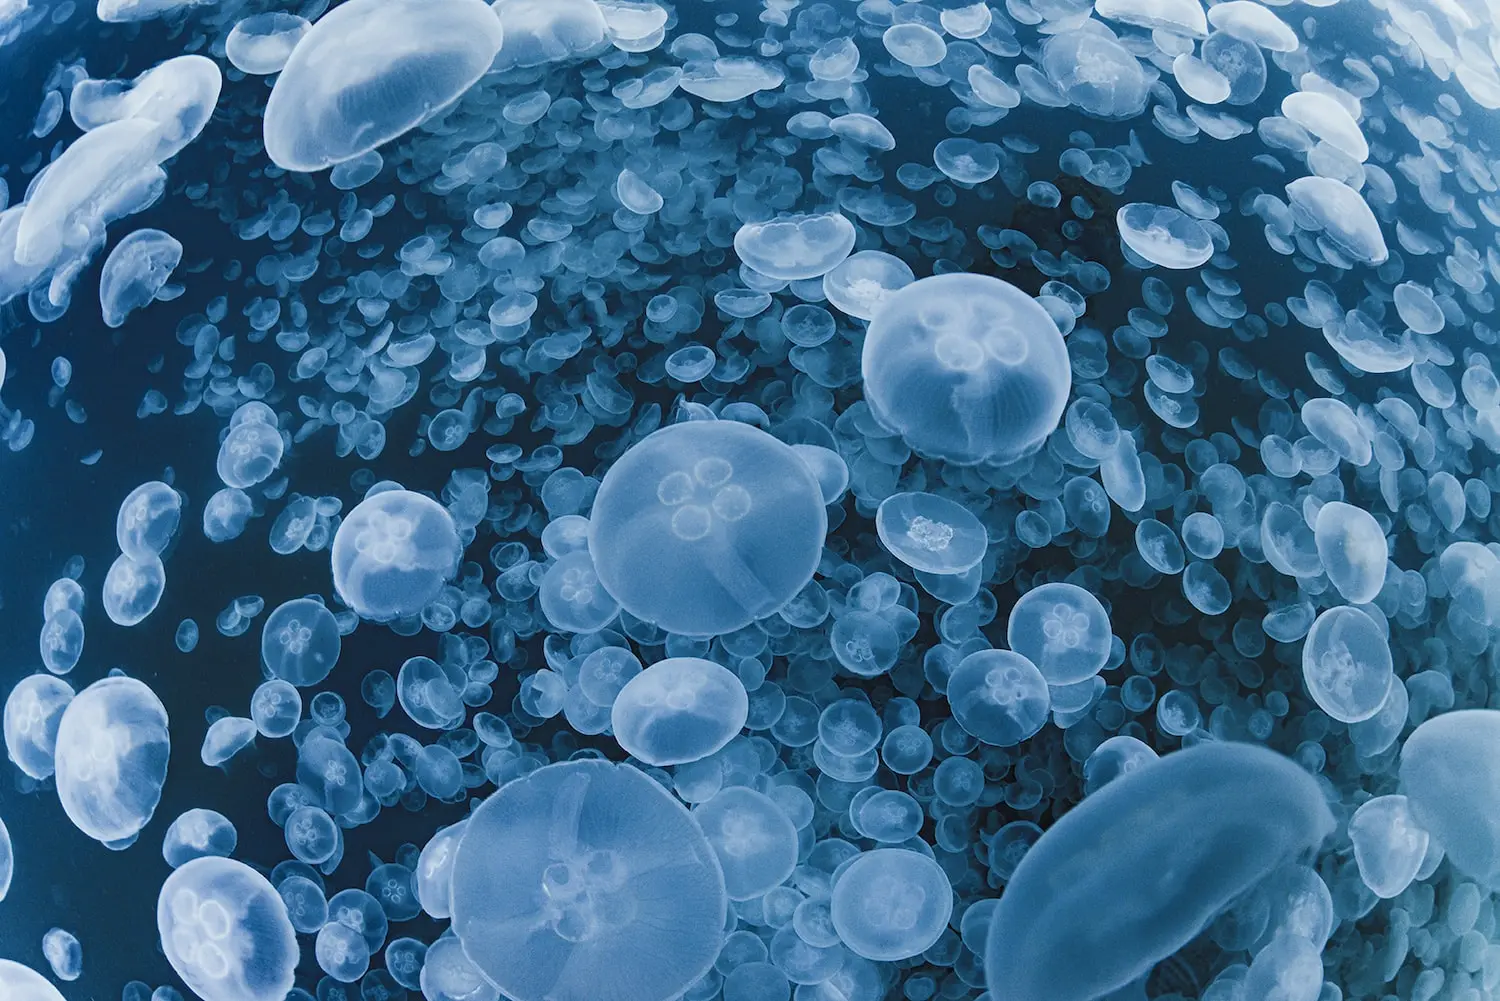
<point x="33" y="713"/>
<point x="794" y="248"/>
<point x="931" y="533"/>
<point x="891" y="904"/>
<point x="966" y="368"/>
<point x="306" y="907"/>
<point x="1452" y="785"/>
<point x="276" y="707"/>
<point x="915" y="44"/>
<point x="330" y="773"/>
<point x="226" y="514"/>
<point x="64" y="953"/>
<point x="198" y="833"/>
<point x="135" y="271"/>
<point x="1250" y="22"/>
<point x="730" y="78"/>
<point x="1352" y="547"/>
<point x="1346" y="664"/>
<point x="860" y="284"/>
<point x="177" y="95"/>
<point x="434" y="876"/>
<point x="1164" y="236"/>
<point x="262" y="43"/>
<point x="133" y="588"/>
<point x="112" y="749"/>
<point x="1343" y="216"/>
<point x="1117" y="756"/>
<point x="148" y="520"/>
<point x="999" y="697"/>
<point x="1389" y="847"/>
<point x="537" y="32"/>
<point x="300" y="642"/>
<point x="1179" y="17"/>
<point x="1141" y="866"/>
<point x="431" y="693"/>
<point x="333" y="102"/>
<point x="7" y="866"/>
<point x="1095" y="73"/>
<point x="1063" y="630"/>
<point x="587" y="881"/>
<point x="1327" y="119"/>
<point x="1418" y="309"/>
<point x="1238" y="61"/>
<point x="226" y="932"/>
<point x="393" y="553"/>
<point x="226" y="737"/>
<point x="251" y="452"/>
<point x="705" y="526"/>
<point x="21" y="983"/>
<point x="572" y="597"/>
<point x="679" y="710"/>
<point x="61" y="641"/>
<point x="311" y="835"/>
<point x="753" y="838"/>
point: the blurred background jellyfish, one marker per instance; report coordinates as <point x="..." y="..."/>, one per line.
<point x="537" y="32"/>
<point x="112" y="750"/>
<point x="226" y="932"/>
<point x="393" y="553"/>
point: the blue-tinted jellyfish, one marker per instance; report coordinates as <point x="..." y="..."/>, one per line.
<point x="1119" y="755"/>
<point x="226" y="514"/>
<point x="64" y="953"/>
<point x="311" y="835"/>
<point x="1141" y="866"/>
<point x="605" y="671"/>
<point x="705" y="526"/>
<point x="33" y="713"/>
<point x="1343" y="215"/>
<point x="587" y="881"/>
<point x="332" y="102"/>
<point x="198" y="833"/>
<point x="572" y="597"/>
<point x="261" y="43"/>
<point x="61" y="641"/>
<point x="7" y="866"/>
<point x="753" y="838"/>
<point x="252" y="450"/>
<point x="862" y="282"/>
<point x="931" y="533"/>
<point x="225" y="931"/>
<point x="147" y="520"/>
<point x="891" y="904"/>
<point x="1346" y="664"/>
<point x="431" y="693"/>
<point x="135" y="271"/>
<point x="537" y="32"/>
<point x="1353" y="550"/>
<point x="966" y="368"/>
<point x="794" y="248"/>
<point x="276" y="708"/>
<point x="679" y="710"/>
<point x="1063" y="630"/>
<point x="305" y="905"/>
<point x="1095" y="72"/>
<point x="330" y="773"/>
<point x="1450" y="777"/>
<point x="1389" y="847"/>
<point x="62" y="593"/>
<point x="21" y="983"/>
<point x="999" y="697"/>
<point x="1164" y="236"/>
<point x="341" y="952"/>
<point x="112" y="750"/>
<point x="300" y="642"/>
<point x="226" y="737"/>
<point x="1240" y="62"/>
<point x="393" y="553"/>
<point x="434" y="876"/>
<point x="133" y="588"/>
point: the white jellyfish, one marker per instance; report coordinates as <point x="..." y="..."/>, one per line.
<point x="133" y="588"/>
<point x="1342" y="215"/>
<point x="679" y="710"/>
<point x="1164" y="236"/>
<point x="135" y="271"/>
<point x="147" y="520"/>
<point x="393" y="553"/>
<point x="226" y="932"/>
<point x="177" y="95"/>
<point x="112" y="749"/>
<point x="547" y="31"/>
<point x="793" y="248"/>
<point x="33" y="713"/>
<point x="262" y="43"/>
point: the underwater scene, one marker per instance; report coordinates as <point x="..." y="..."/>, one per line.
<point x="760" y="500"/>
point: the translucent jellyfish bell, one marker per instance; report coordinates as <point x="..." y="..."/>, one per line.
<point x="794" y="248"/>
<point x="1346" y="663"/>
<point x="148" y="520"/>
<point x="999" y="697"/>
<point x="21" y="983"/>
<point x="1096" y="73"/>
<point x="1353" y="550"/>
<point x="537" y="32"/>
<point x="393" y="553"/>
<point x="1063" y="630"/>
<point x="1165" y="236"/>
<point x="931" y="533"/>
<point x="679" y="710"/>
<point x="33" y="713"/>
<point x="372" y="70"/>
<point x="754" y="839"/>
<point x="1450" y="777"/>
<point x="705" y="526"/>
<point x="300" y="642"/>
<point x="966" y="368"/>
<point x="226" y="932"/>
<point x="112" y="749"/>
<point x="587" y="881"/>
<point x="891" y="904"/>
<point x="261" y="43"/>
<point x="135" y="271"/>
<point x="133" y="588"/>
<point x="862" y="282"/>
<point x="250" y="453"/>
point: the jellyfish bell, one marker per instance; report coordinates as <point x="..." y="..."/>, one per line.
<point x="226" y="932"/>
<point x="393" y="553"/>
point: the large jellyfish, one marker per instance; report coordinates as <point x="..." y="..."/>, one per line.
<point x="33" y="713"/>
<point x="705" y="526"/>
<point x="226" y="932"/>
<point x="22" y="983"/>
<point x="393" y="553"/>
<point x="1095" y="72"/>
<point x="135" y="271"/>
<point x="793" y="248"/>
<point x="1353" y="550"/>
<point x="891" y="904"/>
<point x="679" y="710"/>
<point x="1450" y="773"/>
<point x="537" y="32"/>
<point x="587" y="881"/>
<point x="112" y="749"/>
<point x="300" y="642"/>
<point x="371" y="70"/>
<point x="966" y="368"/>
<point x="1140" y="867"/>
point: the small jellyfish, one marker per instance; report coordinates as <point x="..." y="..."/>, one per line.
<point x="754" y="839"/>
<point x="1095" y="73"/>
<point x="147" y="520"/>
<point x="135" y="272"/>
<point x="327" y="770"/>
<point x="705" y="526"/>
<point x="931" y="533"/>
<point x="311" y="835"/>
<point x="967" y="368"/>
<point x="261" y="43"/>
<point x="999" y="697"/>
<point x="431" y="693"/>
<point x="305" y="905"/>
<point x="1389" y="847"/>
<point x="1164" y="236"/>
<point x="21" y="983"/>
<point x="434" y="876"/>
<point x="133" y="588"/>
<point x="679" y="710"/>
<point x="587" y="881"/>
<point x="862" y="282"/>
<point x="226" y="932"/>
<point x="226" y="737"/>
<point x="572" y="597"/>
<point x="1450" y="777"/>
<point x="276" y="707"/>
<point x="112" y="750"/>
<point x="1117" y="756"/>
<point x="1346" y="664"/>
<point x="64" y="953"/>
<point x="33" y="713"/>
<point x="198" y="833"/>
<point x="1352" y="547"/>
<point x="1063" y="630"/>
<point x="300" y="642"/>
<point x="393" y="553"/>
<point x="891" y="904"/>
<point x="795" y="248"/>
<point x="226" y="514"/>
<point x="61" y="641"/>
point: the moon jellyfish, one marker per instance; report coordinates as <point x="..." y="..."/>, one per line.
<point x="1164" y="236"/>
<point x="1353" y="550"/>
<point x="198" y="834"/>
<point x="276" y="707"/>
<point x="1327" y="119"/>
<point x="135" y="271"/>
<point x="679" y="710"/>
<point x="61" y="641"/>
<point x="1117" y="756"/>
<point x="1238" y="61"/>
<point x="33" y="713"/>
<point x="21" y="983"/>
<point x="250" y="453"/>
<point x="133" y="588"/>
<point x="226" y="514"/>
<point x="1063" y="630"/>
<point x="1450" y="777"/>
<point x="537" y="32"/>
<point x="705" y="526"/>
<point x="64" y="953"/>
<point x="393" y="553"/>
<point x="573" y="599"/>
<point x="1342" y="215"/>
<point x="753" y="838"/>
<point x="1141" y="866"/>
<point x="434" y="877"/>
<point x="1249" y="21"/>
<point x="262" y="43"/>
<point x="112" y="749"/>
<point x="999" y="697"/>
<point x="1388" y="845"/>
<point x="967" y="368"/>
<point x="300" y="642"/>
<point x="147" y="520"/>
<point x="178" y="95"/>
<point x="587" y="881"/>
<point x="226" y="932"/>
<point x="1179" y="17"/>
<point x="891" y="904"/>
<point x="1417" y="308"/>
<point x="794" y="248"/>
<point x="1095" y="73"/>
<point x="332" y="102"/>
<point x="931" y="533"/>
<point x="7" y="867"/>
<point x="862" y="282"/>
<point x="1346" y="664"/>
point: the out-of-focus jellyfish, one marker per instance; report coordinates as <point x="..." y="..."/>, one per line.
<point x="7" y="868"/>
<point x="999" y="697"/>
<point x="705" y="526"/>
<point x="1063" y="630"/>
<point x="587" y="881"/>
<point x="862" y="282"/>
<point x="1388" y="845"/>
<point x="22" y="983"/>
<point x="112" y="750"/>
<point x="133" y="588"/>
<point x="33" y="713"/>
<point x="931" y="533"/>
<point x="572" y="597"/>
<point x="753" y="838"/>
<point x="1179" y="17"/>
<point x="393" y="553"/>
<point x="64" y="953"/>
<point x="198" y="833"/>
<point x="135" y="271"/>
<point x="177" y="95"/>
<point x="147" y="520"/>
<point x="300" y="642"/>
<point x="332" y="102"/>
<point x="1346" y="663"/>
<point x="966" y="368"/>
<point x="1095" y="72"/>
<point x="794" y="248"/>
<point x="226" y="932"/>
<point x="891" y="904"/>
<point x="1353" y="550"/>
<point x="1450" y="777"/>
<point x="1343" y="215"/>
<point x="261" y="43"/>
<point x="537" y="32"/>
<point x="1164" y="236"/>
<point x="679" y="710"/>
<point x="1141" y="866"/>
<point x="434" y="877"/>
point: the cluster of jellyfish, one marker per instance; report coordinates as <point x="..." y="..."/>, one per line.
<point x="934" y="500"/>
